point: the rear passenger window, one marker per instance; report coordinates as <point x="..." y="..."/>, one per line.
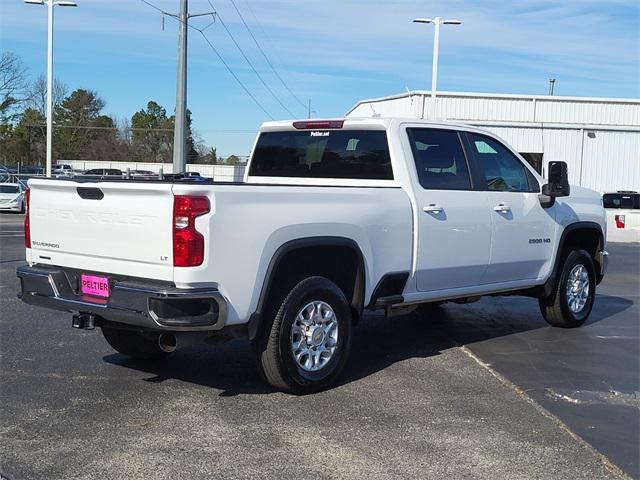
<point x="501" y="168"/>
<point x="439" y="158"/>
<point x="354" y="154"/>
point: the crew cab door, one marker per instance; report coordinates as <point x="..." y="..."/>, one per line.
<point x="454" y="225"/>
<point x="522" y="231"/>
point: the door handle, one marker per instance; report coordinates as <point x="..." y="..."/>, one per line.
<point x="502" y="208"/>
<point x="433" y="208"/>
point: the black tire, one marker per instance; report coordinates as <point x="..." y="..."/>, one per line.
<point x="134" y="343"/>
<point x="276" y="359"/>
<point x="555" y="308"/>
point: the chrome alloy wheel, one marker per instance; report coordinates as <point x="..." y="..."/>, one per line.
<point x="577" y="288"/>
<point x="314" y="336"/>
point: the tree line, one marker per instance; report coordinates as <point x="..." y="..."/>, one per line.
<point x="81" y="130"/>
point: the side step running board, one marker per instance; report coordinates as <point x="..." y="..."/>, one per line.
<point x="391" y="306"/>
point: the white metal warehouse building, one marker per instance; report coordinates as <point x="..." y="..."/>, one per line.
<point x="599" y="138"/>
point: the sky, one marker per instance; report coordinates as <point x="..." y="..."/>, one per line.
<point x="332" y="52"/>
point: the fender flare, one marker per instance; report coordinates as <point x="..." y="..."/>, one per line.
<point x="549" y="286"/>
<point x="357" y="302"/>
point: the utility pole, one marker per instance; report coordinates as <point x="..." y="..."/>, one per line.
<point x="180" y="124"/>
<point x="436" y="46"/>
<point x="309" y="111"/>
<point x="49" y="89"/>
<point x="552" y="84"/>
<point x="180" y="127"/>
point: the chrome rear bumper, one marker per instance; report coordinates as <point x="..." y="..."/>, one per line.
<point x="150" y="305"/>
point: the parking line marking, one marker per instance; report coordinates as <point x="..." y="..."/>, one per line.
<point x="608" y="464"/>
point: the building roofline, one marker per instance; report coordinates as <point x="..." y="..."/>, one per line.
<point x="546" y="98"/>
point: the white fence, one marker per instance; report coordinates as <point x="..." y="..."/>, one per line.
<point x="219" y="173"/>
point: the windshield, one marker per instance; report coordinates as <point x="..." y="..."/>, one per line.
<point x="362" y="154"/>
<point x="9" y="189"/>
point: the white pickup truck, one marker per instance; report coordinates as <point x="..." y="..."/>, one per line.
<point x="333" y="218"/>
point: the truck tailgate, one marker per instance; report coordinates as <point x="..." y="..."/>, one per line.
<point x="114" y="227"/>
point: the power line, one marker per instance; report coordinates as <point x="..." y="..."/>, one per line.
<point x="265" y="55"/>
<point x="250" y="63"/>
<point x="206" y="39"/>
<point x="233" y="74"/>
<point x="133" y="129"/>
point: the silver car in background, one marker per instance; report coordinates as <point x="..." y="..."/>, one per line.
<point x="12" y="197"/>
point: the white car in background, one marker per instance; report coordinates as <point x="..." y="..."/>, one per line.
<point x="63" y="169"/>
<point x="12" y="197"/>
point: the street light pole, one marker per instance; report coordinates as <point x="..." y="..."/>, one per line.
<point x="434" y="62"/>
<point x="50" y="4"/>
<point x="436" y="46"/>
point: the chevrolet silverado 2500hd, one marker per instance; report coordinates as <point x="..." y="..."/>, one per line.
<point x="333" y="218"/>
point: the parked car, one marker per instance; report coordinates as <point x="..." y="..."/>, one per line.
<point x="12" y="197"/>
<point x="623" y="209"/>
<point x="103" y="172"/>
<point x="146" y="174"/>
<point x="334" y="218"/>
<point x="194" y="176"/>
<point x="63" y="169"/>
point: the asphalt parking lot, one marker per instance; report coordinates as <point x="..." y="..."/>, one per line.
<point x="485" y="390"/>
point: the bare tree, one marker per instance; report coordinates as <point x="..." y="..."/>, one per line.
<point x="199" y="144"/>
<point x="37" y="95"/>
<point x="124" y="128"/>
<point x="13" y="83"/>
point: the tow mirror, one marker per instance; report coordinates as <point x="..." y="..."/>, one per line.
<point x="558" y="185"/>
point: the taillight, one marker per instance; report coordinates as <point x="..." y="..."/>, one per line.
<point x="619" y="221"/>
<point x="27" y="224"/>
<point x="188" y="243"/>
<point x="318" y="124"/>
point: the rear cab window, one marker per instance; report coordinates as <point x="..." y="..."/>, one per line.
<point x="331" y="154"/>
<point x="621" y="200"/>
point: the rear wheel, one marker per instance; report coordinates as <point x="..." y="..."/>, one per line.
<point x="570" y="304"/>
<point x="309" y="338"/>
<point x="134" y="343"/>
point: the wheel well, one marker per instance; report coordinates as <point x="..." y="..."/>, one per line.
<point x="588" y="239"/>
<point x="336" y="263"/>
<point x="338" y="260"/>
<point x="585" y="235"/>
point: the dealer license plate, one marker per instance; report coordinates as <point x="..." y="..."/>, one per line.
<point x="94" y="285"/>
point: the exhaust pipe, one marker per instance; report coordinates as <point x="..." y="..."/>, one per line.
<point x="167" y="342"/>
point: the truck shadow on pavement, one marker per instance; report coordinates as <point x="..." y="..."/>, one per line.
<point x="378" y="343"/>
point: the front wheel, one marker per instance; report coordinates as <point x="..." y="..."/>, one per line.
<point x="570" y="304"/>
<point x="134" y="343"/>
<point x="309" y="338"/>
